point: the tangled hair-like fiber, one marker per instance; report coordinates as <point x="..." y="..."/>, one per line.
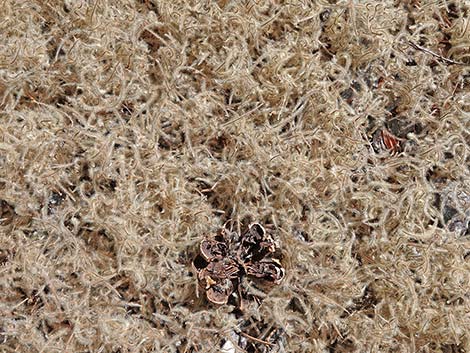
<point x="131" y="129"/>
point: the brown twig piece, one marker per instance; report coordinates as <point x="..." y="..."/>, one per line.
<point x="430" y="52"/>
<point x="255" y="339"/>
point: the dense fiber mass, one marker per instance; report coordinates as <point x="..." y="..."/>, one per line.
<point x="130" y="130"/>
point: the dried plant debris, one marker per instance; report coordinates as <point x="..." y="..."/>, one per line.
<point x="227" y="257"/>
<point x="453" y="202"/>
<point x="7" y="212"/>
<point x="383" y="140"/>
<point x="255" y="336"/>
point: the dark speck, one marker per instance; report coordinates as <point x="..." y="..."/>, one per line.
<point x="347" y="94"/>
<point x="449" y="212"/>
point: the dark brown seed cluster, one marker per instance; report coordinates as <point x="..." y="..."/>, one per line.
<point x="225" y="258"/>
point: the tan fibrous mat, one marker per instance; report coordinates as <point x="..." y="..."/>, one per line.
<point x="132" y="130"/>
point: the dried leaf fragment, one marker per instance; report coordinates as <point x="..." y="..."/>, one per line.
<point x="268" y="269"/>
<point x="224" y="260"/>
